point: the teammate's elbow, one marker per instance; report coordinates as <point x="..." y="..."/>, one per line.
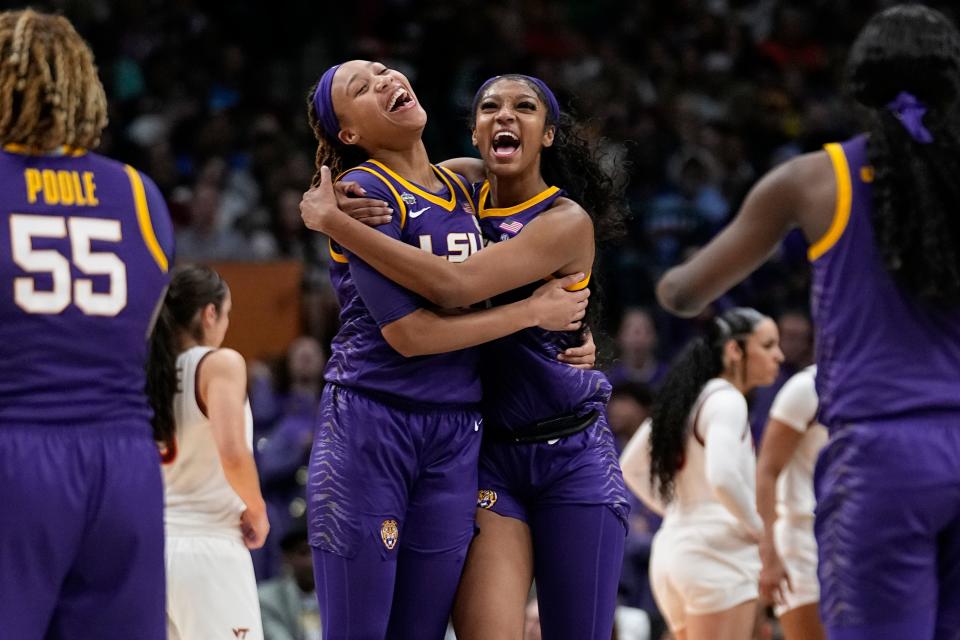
<point x="677" y="299"/>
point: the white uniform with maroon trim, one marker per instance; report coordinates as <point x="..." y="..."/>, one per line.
<point x="211" y="587"/>
<point x="705" y="557"/>
<point x="796" y="406"/>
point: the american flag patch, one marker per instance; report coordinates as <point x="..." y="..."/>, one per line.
<point x="512" y="226"/>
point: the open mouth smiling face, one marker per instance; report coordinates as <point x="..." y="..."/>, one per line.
<point x="510" y="124"/>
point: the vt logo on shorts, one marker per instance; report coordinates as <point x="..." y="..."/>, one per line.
<point x="389" y="532"/>
<point x="486" y="498"/>
<point x="240" y="633"/>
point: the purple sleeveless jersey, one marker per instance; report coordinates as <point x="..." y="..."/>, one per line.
<point x="880" y="352"/>
<point x="85" y="244"/>
<point x="523" y="382"/>
<point x="444" y="224"/>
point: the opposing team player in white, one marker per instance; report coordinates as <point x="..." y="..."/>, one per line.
<point x="694" y="462"/>
<point x="788" y="551"/>
<point x="214" y="510"/>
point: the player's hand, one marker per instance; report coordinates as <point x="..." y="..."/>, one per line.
<point x="582" y="357"/>
<point x="255" y="527"/>
<point x="555" y="309"/>
<point x="369" y="211"/>
<point x="320" y="206"/>
<point x="774" y="580"/>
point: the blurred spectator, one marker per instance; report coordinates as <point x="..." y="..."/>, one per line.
<point x="284" y="451"/>
<point x="796" y="342"/>
<point x="288" y="603"/>
<point x="637" y="345"/>
<point x="205" y="239"/>
<point x="630" y="404"/>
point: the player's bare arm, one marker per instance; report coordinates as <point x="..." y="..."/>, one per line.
<point x="222" y="380"/>
<point x="424" y="332"/>
<point x="544" y="250"/>
<point x="780" y="441"/>
<point x="791" y="195"/>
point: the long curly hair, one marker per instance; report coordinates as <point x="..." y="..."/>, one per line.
<point x="192" y="287"/>
<point x="916" y="193"/>
<point x="700" y="360"/>
<point x="330" y="151"/>
<point x="50" y="93"/>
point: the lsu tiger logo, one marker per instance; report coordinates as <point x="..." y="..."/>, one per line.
<point x="389" y="533"/>
<point x="486" y="498"/>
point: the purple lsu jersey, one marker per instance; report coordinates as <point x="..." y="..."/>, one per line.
<point x="442" y="223"/>
<point x="85" y="245"/>
<point x="880" y="353"/>
<point x="523" y="382"/>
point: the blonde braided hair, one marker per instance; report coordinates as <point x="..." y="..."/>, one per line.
<point x="50" y="93"/>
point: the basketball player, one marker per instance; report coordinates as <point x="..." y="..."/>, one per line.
<point x="393" y="472"/>
<point x="880" y="214"/>
<point x="548" y="462"/>
<point x="214" y="511"/>
<point x="85" y="243"/>
<point x="693" y="462"/>
<point x="792" y="440"/>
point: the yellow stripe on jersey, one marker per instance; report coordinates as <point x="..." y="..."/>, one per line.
<point x="143" y="218"/>
<point x="448" y="204"/>
<point x="841" y="214"/>
<point x="401" y="206"/>
<point x="73" y="152"/>
<point x="509" y="211"/>
<point x="337" y="257"/>
<point x="463" y="188"/>
<point x="574" y="287"/>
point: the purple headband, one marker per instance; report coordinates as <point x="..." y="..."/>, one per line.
<point x="553" y="107"/>
<point x="910" y="111"/>
<point x="323" y="103"/>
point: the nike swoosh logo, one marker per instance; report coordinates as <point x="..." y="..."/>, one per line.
<point x="414" y="214"/>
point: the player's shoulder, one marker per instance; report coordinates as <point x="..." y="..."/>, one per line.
<point x="804" y="381"/>
<point x="375" y="182"/>
<point x="569" y="213"/>
<point x="720" y="395"/>
<point x="226" y="361"/>
<point x="799" y="175"/>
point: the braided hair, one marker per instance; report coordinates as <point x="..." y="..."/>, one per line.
<point x="916" y="194"/>
<point x="50" y="94"/>
<point x="330" y="151"/>
<point x="700" y="361"/>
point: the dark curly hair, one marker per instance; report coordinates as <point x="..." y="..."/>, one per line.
<point x="192" y="287"/>
<point x="916" y="194"/>
<point x="701" y="360"/>
<point x="330" y="151"/>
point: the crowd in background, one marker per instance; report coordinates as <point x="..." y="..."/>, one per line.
<point x="690" y="100"/>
